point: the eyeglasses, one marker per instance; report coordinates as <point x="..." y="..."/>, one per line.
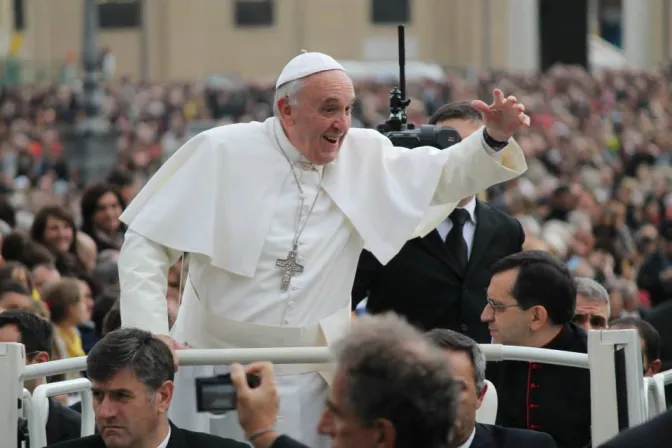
<point x="499" y="306"/>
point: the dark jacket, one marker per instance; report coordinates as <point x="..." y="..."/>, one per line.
<point x="63" y="423"/>
<point x="546" y="397"/>
<point x="656" y="433"/>
<point x="491" y="436"/>
<point x="423" y="284"/>
<point x="179" y="438"/>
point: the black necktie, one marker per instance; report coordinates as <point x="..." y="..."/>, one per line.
<point x="455" y="242"/>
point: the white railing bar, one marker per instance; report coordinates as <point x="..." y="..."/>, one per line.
<point x="666" y="376"/>
<point x="57" y="367"/>
<point x="27" y="404"/>
<point x="38" y="420"/>
<point x="498" y="352"/>
<point x="88" y="417"/>
<point x="309" y="355"/>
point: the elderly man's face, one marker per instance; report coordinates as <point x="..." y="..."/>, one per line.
<point x="319" y="122"/>
<point x="590" y="314"/>
<point x="339" y="423"/>
<point x="127" y="413"/>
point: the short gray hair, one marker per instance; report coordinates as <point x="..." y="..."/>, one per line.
<point x="592" y="290"/>
<point x="147" y="357"/>
<point x="289" y="90"/>
<point x="452" y="340"/>
<point x="392" y="372"/>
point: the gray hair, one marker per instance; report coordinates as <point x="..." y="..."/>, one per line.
<point x="452" y="340"/>
<point x="289" y="90"/>
<point x="592" y="290"/>
<point x="390" y="371"/>
<point x="147" y="357"/>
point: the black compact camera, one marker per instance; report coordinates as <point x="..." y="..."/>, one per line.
<point x="217" y="395"/>
<point x="397" y="128"/>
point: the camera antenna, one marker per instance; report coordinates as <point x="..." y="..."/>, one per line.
<point x="402" y="61"/>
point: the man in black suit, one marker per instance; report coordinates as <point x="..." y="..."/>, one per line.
<point x="531" y="301"/>
<point x="132" y="376"/>
<point x="36" y="334"/>
<point x="660" y="317"/>
<point x="439" y="281"/>
<point x="468" y="363"/>
<point x="656" y="433"/>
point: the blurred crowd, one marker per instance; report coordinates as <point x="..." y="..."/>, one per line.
<point x="596" y="195"/>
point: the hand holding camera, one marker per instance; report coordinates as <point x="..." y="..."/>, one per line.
<point x="257" y="406"/>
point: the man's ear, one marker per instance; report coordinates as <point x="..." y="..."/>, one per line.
<point x="539" y="318"/>
<point x="39" y="358"/>
<point x="654" y="367"/>
<point x="481" y="396"/>
<point x="385" y="434"/>
<point x="164" y="396"/>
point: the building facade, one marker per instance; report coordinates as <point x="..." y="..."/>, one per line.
<point x="191" y="39"/>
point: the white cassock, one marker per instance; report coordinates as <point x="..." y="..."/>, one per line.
<point x="229" y="199"/>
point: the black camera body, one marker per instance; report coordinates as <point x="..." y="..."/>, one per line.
<point x="397" y="128"/>
<point x="217" y="395"/>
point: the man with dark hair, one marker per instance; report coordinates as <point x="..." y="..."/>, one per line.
<point x="392" y="389"/>
<point x="531" y="301"/>
<point x="36" y="334"/>
<point x="132" y="375"/>
<point x="15" y="296"/>
<point x="649" y="340"/>
<point x="439" y="281"/>
<point x="468" y="363"/>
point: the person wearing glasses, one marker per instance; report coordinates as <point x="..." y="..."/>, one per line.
<point x="36" y="334"/>
<point x="531" y="300"/>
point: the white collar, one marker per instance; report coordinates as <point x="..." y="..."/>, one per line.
<point x="471" y="208"/>
<point x="467" y="444"/>
<point x="290" y="150"/>
<point x="287" y="146"/>
<point x="164" y="444"/>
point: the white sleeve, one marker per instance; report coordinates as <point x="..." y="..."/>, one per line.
<point x="143" y="278"/>
<point x="473" y="166"/>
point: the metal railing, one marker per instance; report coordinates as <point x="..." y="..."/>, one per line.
<point x="600" y="362"/>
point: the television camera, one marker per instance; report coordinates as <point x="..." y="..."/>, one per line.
<point x="397" y="129"/>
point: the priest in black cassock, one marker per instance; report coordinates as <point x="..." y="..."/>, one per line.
<point x="531" y="301"/>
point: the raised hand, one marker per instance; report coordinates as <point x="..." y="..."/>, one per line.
<point x="503" y="117"/>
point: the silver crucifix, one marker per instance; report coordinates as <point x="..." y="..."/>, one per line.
<point x="290" y="268"/>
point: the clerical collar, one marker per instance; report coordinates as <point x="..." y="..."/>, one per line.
<point x="469" y="441"/>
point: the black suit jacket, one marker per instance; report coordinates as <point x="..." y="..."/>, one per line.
<point x="656" y="433"/>
<point x="545" y="397"/>
<point x="179" y="438"/>
<point x="660" y="317"/>
<point x="63" y="423"/>
<point x="422" y="283"/>
<point x="491" y="436"/>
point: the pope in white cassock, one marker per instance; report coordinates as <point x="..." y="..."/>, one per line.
<point x="275" y="215"/>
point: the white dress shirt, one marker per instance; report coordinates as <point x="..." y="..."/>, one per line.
<point x="467" y="444"/>
<point x="164" y="444"/>
<point x="468" y="230"/>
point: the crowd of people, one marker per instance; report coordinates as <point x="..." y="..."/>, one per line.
<point x="597" y="194"/>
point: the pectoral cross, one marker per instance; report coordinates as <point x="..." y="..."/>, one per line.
<point x="290" y="268"/>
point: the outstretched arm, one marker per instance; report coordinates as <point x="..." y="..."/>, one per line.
<point x="143" y="277"/>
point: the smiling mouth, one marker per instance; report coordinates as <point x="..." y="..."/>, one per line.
<point x="330" y="139"/>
